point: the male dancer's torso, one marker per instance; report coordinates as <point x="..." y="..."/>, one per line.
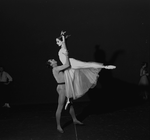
<point x="59" y="77"/>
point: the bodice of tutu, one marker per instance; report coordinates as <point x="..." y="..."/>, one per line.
<point x="62" y="55"/>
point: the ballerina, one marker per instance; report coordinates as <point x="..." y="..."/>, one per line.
<point x="80" y="76"/>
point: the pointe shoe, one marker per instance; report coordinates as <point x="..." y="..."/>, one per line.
<point x="67" y="104"/>
<point x="110" y="67"/>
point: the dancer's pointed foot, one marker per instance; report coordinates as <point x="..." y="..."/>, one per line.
<point x="60" y="129"/>
<point x="67" y="103"/>
<point x="110" y="67"/>
<point x="78" y="122"/>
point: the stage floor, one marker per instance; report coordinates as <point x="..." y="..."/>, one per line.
<point x="37" y="122"/>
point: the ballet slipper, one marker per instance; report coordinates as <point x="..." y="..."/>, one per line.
<point x="60" y="130"/>
<point x="78" y="122"/>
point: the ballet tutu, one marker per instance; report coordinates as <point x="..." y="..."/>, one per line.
<point x="79" y="81"/>
<point x="80" y="77"/>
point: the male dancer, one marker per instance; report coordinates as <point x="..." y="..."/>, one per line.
<point x="59" y="77"/>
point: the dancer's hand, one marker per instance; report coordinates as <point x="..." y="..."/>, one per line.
<point x="147" y="74"/>
<point x="62" y="33"/>
<point x="67" y="36"/>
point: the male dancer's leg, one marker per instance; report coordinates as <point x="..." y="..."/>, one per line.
<point x="72" y="113"/>
<point x="61" y="100"/>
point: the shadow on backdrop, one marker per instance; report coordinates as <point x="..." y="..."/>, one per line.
<point x="110" y="94"/>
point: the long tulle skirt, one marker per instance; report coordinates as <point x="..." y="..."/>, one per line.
<point x="77" y="64"/>
<point x="81" y="77"/>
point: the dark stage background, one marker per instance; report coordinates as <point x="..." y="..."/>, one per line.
<point x="109" y="31"/>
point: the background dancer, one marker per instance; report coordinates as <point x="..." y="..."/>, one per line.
<point x="5" y="80"/>
<point x="144" y="82"/>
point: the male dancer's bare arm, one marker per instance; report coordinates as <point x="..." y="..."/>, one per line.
<point x="65" y="66"/>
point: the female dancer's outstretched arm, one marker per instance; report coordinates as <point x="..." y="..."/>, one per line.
<point x="63" y="40"/>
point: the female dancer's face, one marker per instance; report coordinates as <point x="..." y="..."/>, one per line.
<point x="58" y="42"/>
